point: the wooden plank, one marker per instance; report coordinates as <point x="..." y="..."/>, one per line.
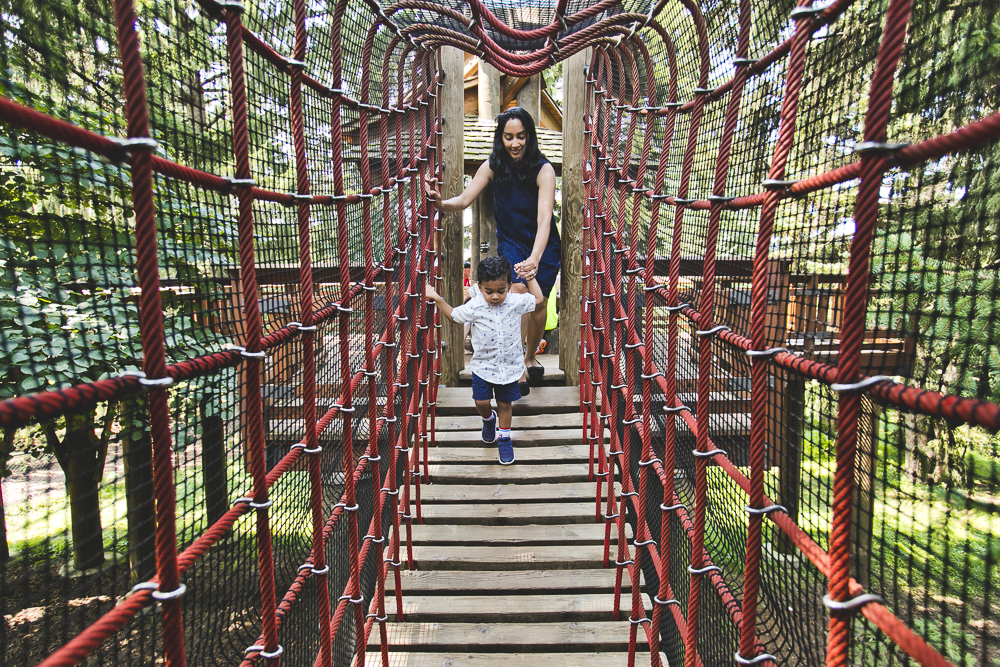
<point x="538" y="608"/>
<point x="453" y="400"/>
<point x="444" y="581"/>
<point x="491" y="474"/>
<point x="511" y="637"/>
<point x="453" y="109"/>
<point x="522" y="557"/>
<point x="466" y="659"/>
<point x="525" y="454"/>
<point x="524" y="422"/>
<point x="571" y="236"/>
<point x="509" y="514"/>
<point x="592" y="533"/>
<point x="511" y="493"/>
<point x="522" y="438"/>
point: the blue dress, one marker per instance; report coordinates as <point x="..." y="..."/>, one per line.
<point x="515" y="209"/>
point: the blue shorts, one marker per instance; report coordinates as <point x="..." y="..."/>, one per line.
<point x="484" y="391"/>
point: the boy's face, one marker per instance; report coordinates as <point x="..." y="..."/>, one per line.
<point x="494" y="291"/>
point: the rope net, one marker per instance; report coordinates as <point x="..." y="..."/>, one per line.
<point x="219" y="381"/>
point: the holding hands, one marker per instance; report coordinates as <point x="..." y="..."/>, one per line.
<point x="527" y="269"/>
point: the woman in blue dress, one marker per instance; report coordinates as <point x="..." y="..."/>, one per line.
<point x="524" y="187"/>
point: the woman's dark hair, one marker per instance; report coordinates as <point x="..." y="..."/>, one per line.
<point x="496" y="267"/>
<point x="501" y="164"/>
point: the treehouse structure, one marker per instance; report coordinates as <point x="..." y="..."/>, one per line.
<point x="235" y="431"/>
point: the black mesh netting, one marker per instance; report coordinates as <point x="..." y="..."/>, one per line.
<point x="335" y="122"/>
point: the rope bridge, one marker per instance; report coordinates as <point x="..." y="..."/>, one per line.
<point x="220" y="375"/>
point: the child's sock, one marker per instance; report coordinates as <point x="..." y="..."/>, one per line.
<point x="492" y="416"/>
<point x="504" y="432"/>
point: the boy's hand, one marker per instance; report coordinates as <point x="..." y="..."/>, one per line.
<point x="432" y="294"/>
<point x="526" y="269"/>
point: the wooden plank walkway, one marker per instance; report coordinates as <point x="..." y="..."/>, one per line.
<point x="509" y="558"/>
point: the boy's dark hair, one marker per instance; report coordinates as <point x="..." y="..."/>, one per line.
<point x="496" y="267"/>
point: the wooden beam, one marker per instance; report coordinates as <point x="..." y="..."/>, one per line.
<point x="451" y="268"/>
<point x="571" y="233"/>
<point x="514" y="86"/>
<point x="489" y="91"/>
<point x="529" y="98"/>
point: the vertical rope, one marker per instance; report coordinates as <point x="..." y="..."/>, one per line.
<point x="670" y="395"/>
<point x="252" y="326"/>
<point x="853" y="327"/>
<point x="151" y="327"/>
<point x="319" y="569"/>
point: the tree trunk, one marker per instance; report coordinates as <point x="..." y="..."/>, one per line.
<point x="83" y="465"/>
<point x="8" y="447"/>
<point x="916" y="435"/>
<point x="213" y="463"/>
<point x="137" y="451"/>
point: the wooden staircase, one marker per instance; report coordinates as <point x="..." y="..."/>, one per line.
<point x="509" y="558"/>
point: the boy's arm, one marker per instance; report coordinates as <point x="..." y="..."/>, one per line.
<point x="442" y="305"/>
<point x="536" y="292"/>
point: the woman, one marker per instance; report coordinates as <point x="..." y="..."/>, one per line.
<point x="524" y="190"/>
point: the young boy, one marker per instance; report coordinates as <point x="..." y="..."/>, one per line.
<point x="498" y="357"/>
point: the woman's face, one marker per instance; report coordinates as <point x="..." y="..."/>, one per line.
<point x="515" y="137"/>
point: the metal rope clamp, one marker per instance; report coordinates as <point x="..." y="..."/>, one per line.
<point x="878" y="148"/>
<point x="261" y="649"/>
<point x="237" y="182"/>
<point x="704" y="570"/>
<point x="250" y="501"/>
<point x="709" y="454"/>
<point x="160" y="383"/>
<point x="713" y="331"/>
<point x="763" y="657"/>
<point x="776" y="184"/>
<point x="858" y="386"/>
<point x="159" y="596"/>
<point x="765" y="354"/>
<point x="131" y="145"/>
<point x="675" y="409"/>
<point x="766" y="510"/>
<point x="672" y="508"/>
<point x="657" y="600"/>
<point x="677" y="308"/>
<point x="853" y="603"/>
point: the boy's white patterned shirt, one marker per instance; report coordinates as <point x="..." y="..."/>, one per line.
<point x="498" y="355"/>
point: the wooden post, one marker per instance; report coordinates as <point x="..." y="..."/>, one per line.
<point x="863" y="512"/>
<point x="453" y="110"/>
<point x="571" y="234"/>
<point x="483" y="226"/>
<point x="489" y="91"/>
<point x="474" y="253"/>
<point x="529" y="98"/>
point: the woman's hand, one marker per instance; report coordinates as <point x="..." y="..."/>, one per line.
<point x="527" y="269"/>
<point x="431" y="192"/>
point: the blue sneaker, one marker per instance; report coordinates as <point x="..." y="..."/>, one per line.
<point x="505" y="446"/>
<point x="490" y="428"/>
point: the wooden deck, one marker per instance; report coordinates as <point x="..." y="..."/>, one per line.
<point x="509" y="558"/>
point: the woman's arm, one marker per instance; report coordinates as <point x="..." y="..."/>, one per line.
<point x="483" y="176"/>
<point x="546" y="201"/>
